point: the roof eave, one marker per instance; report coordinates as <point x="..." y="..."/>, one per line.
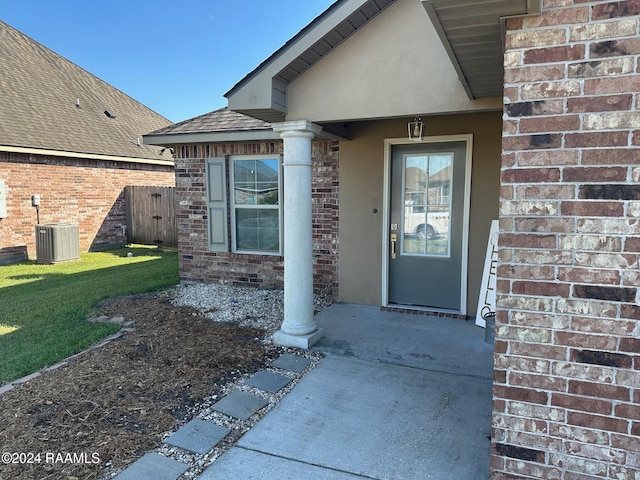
<point x="284" y="48"/>
<point x="466" y="73"/>
<point x="325" y="33"/>
<point x="88" y="156"/>
<point x="210" y="137"/>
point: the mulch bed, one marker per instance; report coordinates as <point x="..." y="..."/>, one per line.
<point x="109" y="406"/>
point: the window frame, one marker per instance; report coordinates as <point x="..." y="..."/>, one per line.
<point x="233" y="206"/>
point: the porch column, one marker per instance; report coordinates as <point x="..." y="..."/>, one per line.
<point x="299" y="328"/>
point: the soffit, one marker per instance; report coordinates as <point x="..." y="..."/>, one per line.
<point x="334" y="37"/>
<point x="472" y="31"/>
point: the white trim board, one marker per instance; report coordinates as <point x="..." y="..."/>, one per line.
<point x="89" y="156"/>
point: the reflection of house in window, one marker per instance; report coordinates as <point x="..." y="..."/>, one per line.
<point x="440" y="187"/>
<point x="427" y="182"/>
<point x="256" y="212"/>
<point x="256" y="182"/>
<point x="415" y="189"/>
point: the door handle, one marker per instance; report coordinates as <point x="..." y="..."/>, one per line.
<point x="394" y="240"/>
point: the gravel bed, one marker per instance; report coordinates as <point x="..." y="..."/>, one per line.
<point x="245" y="306"/>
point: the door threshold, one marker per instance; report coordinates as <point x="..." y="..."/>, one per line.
<point x="427" y="311"/>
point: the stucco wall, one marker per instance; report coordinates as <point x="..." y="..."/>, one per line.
<point x="89" y="193"/>
<point x="361" y="191"/>
<point x="377" y="73"/>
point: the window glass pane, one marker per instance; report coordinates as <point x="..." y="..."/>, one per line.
<point x="256" y="182"/>
<point x="257" y="229"/>
<point x="440" y="179"/>
<point x="427" y="204"/>
<point x="415" y="186"/>
<point x="416" y="172"/>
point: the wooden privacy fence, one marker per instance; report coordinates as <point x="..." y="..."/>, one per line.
<point x="151" y="215"/>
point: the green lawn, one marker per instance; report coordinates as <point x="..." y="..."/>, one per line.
<point x="43" y="308"/>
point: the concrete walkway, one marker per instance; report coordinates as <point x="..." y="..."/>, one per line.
<point x="398" y="397"/>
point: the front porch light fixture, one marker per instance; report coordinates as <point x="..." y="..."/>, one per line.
<point x="416" y="130"/>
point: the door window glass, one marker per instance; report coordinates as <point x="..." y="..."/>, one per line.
<point x="427" y="204"/>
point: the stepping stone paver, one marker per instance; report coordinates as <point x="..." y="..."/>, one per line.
<point x="268" y="381"/>
<point x="154" y="466"/>
<point x="293" y="363"/>
<point x="240" y="405"/>
<point x="198" y="436"/>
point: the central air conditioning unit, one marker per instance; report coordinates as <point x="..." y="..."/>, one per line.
<point x="57" y="243"/>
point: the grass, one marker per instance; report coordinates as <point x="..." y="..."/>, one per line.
<point x="43" y="308"/>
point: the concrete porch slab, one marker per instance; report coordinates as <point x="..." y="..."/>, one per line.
<point x="251" y="465"/>
<point x="379" y="421"/>
<point x="430" y="343"/>
<point x="399" y="396"/>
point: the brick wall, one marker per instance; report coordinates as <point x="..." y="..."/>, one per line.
<point x="567" y="361"/>
<point x="198" y="264"/>
<point x="89" y="193"/>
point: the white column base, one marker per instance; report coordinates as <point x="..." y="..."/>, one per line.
<point x="298" y="341"/>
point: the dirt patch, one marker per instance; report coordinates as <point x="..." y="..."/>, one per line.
<point x="109" y="406"/>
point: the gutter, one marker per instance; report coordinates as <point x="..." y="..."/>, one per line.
<point x="88" y="156"/>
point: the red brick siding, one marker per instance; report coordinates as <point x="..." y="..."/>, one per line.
<point x="198" y="264"/>
<point x="89" y="193"/>
<point x="567" y="378"/>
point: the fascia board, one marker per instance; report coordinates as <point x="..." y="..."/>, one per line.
<point x="89" y="156"/>
<point x="295" y="47"/>
<point x="210" y="137"/>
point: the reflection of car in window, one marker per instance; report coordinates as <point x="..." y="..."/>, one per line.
<point x="429" y="225"/>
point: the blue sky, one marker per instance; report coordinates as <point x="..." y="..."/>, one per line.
<point x="177" y="57"/>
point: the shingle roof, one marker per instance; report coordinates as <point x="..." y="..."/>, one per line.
<point x="222" y="125"/>
<point x="221" y="120"/>
<point x="48" y="102"/>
